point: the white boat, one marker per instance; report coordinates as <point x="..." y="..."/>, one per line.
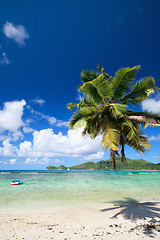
<point x="16" y="182"/>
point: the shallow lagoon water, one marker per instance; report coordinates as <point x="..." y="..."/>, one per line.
<point x="50" y="188"/>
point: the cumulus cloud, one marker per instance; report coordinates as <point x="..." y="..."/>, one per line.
<point x="13" y="161"/>
<point x="17" y="33"/>
<point x="95" y="156"/>
<point x="48" y="144"/>
<point x="16" y="135"/>
<point x="28" y="129"/>
<point x="8" y="149"/>
<point x="4" y="59"/>
<point x="25" y="149"/>
<point x="11" y="116"/>
<point x="39" y="101"/>
<point x="155" y="138"/>
<point x="151" y="105"/>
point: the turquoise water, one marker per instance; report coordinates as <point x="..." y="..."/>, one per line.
<point x="43" y="188"/>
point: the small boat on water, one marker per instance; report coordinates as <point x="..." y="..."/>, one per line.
<point x="16" y="182"/>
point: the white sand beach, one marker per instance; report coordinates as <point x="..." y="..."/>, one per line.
<point x="132" y="220"/>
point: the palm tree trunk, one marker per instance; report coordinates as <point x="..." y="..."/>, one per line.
<point x="113" y="159"/>
<point x="145" y="119"/>
<point x="123" y="157"/>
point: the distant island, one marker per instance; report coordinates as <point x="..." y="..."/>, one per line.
<point x="129" y="164"/>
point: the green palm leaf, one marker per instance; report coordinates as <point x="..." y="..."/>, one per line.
<point x="111" y="137"/>
<point x="118" y="110"/>
<point x="98" y="88"/>
<point x="80" y="115"/>
<point x="88" y="75"/>
<point x="122" y="82"/>
<point x="141" y="90"/>
<point x="87" y="102"/>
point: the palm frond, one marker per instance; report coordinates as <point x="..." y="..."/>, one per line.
<point x="70" y="106"/>
<point x="88" y="75"/>
<point x="80" y="115"/>
<point x="87" y="102"/>
<point x="98" y="88"/>
<point x="122" y="82"/>
<point x="140" y="144"/>
<point x="111" y="138"/>
<point x="93" y="126"/>
<point x="117" y="110"/>
<point x="141" y="90"/>
<point x="135" y="137"/>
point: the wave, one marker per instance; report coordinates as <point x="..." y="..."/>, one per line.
<point x="5" y="172"/>
<point x="30" y="173"/>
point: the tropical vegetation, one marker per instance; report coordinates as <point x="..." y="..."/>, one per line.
<point x="104" y="109"/>
<point x="130" y="164"/>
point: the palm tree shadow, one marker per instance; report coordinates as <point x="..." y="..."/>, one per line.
<point x="133" y="210"/>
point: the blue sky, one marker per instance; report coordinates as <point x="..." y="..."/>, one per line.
<point x="44" y="45"/>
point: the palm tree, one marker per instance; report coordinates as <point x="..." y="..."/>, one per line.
<point x="104" y="111"/>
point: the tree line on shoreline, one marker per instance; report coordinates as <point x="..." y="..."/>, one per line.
<point x="130" y="164"/>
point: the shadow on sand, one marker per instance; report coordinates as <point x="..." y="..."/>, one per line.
<point x="133" y="210"/>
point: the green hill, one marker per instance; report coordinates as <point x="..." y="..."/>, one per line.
<point x="130" y="164"/>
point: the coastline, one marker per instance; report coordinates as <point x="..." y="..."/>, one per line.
<point x="80" y="206"/>
<point x="90" y="170"/>
<point x="121" y="220"/>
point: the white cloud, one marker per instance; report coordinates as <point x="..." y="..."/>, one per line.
<point x="28" y="129"/>
<point x="51" y="120"/>
<point x="31" y="160"/>
<point x="13" y="161"/>
<point x="80" y="96"/>
<point x="17" y="33"/>
<point x="98" y="155"/>
<point x="16" y="135"/>
<point x="151" y="105"/>
<point x="8" y="149"/>
<point x="4" y="59"/>
<point x="11" y="116"/>
<point x="57" y="161"/>
<point x="41" y="161"/>
<point x="155" y="138"/>
<point x="156" y="157"/>
<point x="48" y="144"/>
<point x="25" y="149"/>
<point x="39" y="101"/>
<point x="61" y="123"/>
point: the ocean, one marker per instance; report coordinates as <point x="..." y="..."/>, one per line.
<point x="57" y="188"/>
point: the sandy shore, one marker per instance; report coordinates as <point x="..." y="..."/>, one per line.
<point x="123" y="220"/>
